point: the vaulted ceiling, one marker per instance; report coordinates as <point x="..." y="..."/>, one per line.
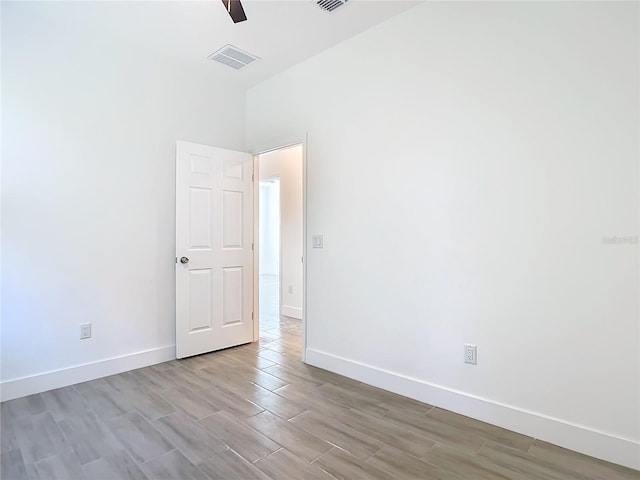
<point x="282" y="33"/>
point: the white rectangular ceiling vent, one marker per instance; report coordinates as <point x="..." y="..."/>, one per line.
<point x="330" y="5"/>
<point x="233" y="57"/>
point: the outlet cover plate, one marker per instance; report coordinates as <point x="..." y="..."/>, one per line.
<point x="470" y="354"/>
<point x="85" y="331"/>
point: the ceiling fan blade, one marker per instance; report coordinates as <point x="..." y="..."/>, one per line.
<point x="236" y="12"/>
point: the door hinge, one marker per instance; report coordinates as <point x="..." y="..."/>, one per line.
<point x="252" y="177"/>
<point x="301" y="259"/>
<point x="251" y="245"/>
<point x="251" y="315"/>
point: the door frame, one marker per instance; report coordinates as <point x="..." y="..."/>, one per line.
<point x="256" y="229"/>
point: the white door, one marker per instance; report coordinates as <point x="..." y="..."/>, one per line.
<point x="214" y="258"/>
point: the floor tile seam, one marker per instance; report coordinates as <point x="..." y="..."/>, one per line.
<point x="302" y="459"/>
<point x="518" y="474"/>
<point x="436" y="444"/>
<point x="47" y="457"/>
<point x="66" y="440"/>
<point x="486" y="460"/>
<point x="249" y="427"/>
<point x="317" y="465"/>
<point x="176" y="409"/>
<point x="294" y="426"/>
<point x="93" y="409"/>
<point x="262" y="434"/>
<point x="428" y="434"/>
<point x="242" y="398"/>
<point x="122" y="449"/>
<point x="416" y="457"/>
<point x="360" y="429"/>
<point x="174" y="449"/>
<point x="383" y="469"/>
<point x="144" y="466"/>
<point x="263" y="457"/>
<point x="342" y="433"/>
<point x="481" y="433"/>
<point x="358" y="459"/>
<point x="272" y="453"/>
<point x="333" y="447"/>
<point x="209" y="455"/>
<point x="296" y="416"/>
<point x="155" y="429"/>
<point x="370" y="456"/>
<point x="395" y="447"/>
<point x="423" y="459"/>
<point x="554" y="466"/>
<point x="109" y="433"/>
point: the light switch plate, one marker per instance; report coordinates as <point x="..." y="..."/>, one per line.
<point x="317" y="241"/>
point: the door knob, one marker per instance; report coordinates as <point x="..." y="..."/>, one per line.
<point x="184" y="260"/>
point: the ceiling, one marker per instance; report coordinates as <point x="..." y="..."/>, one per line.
<point x="282" y="33"/>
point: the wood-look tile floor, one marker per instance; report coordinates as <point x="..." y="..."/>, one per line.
<point x="257" y="412"/>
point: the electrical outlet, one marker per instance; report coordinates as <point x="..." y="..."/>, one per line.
<point x="470" y="354"/>
<point x="85" y="331"/>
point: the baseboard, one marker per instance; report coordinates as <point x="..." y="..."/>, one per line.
<point x="42" y="382"/>
<point x="289" y="311"/>
<point x="579" y="438"/>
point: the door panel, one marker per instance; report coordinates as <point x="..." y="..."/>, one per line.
<point x="232" y="216"/>
<point x="214" y="230"/>
<point x="199" y="218"/>
<point x="232" y="299"/>
<point x="200" y="300"/>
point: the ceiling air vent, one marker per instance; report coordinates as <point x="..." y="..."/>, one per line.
<point x="233" y="57"/>
<point x="330" y="5"/>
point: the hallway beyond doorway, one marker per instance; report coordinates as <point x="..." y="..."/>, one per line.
<point x="273" y="327"/>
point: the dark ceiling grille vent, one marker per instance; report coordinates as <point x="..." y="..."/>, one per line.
<point x="233" y="57"/>
<point x="330" y="5"/>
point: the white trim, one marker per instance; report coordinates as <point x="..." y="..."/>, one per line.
<point x="256" y="247"/>
<point x="580" y="438"/>
<point x="305" y="257"/>
<point x="280" y="143"/>
<point x="289" y="311"/>
<point x="20" y="387"/>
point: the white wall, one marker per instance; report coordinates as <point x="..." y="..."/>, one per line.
<point x="286" y="164"/>
<point x="89" y="125"/>
<point x="269" y="235"/>
<point x="465" y="161"/>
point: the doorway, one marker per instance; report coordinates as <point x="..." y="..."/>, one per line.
<point x="280" y="249"/>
